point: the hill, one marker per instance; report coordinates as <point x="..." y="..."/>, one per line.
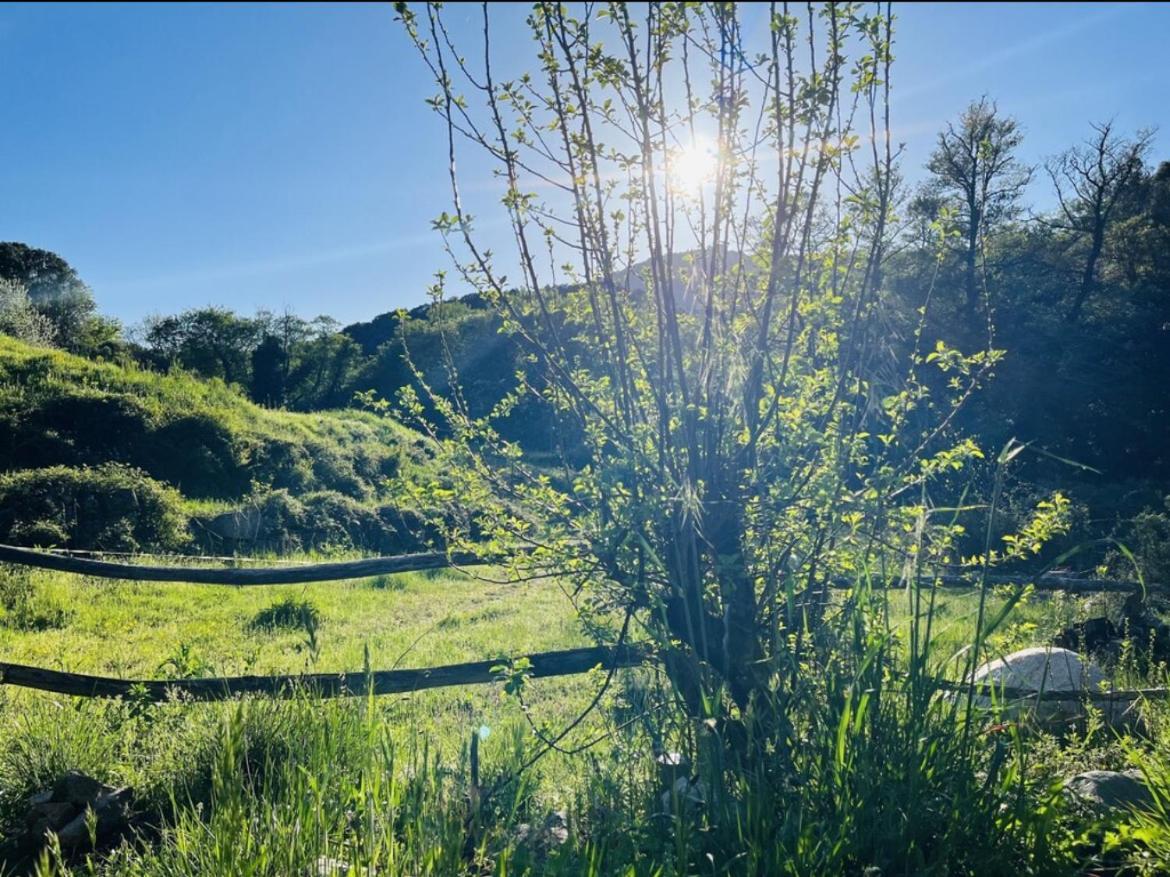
<point x="71" y="426"/>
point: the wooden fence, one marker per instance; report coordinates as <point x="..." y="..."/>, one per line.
<point x="543" y="664"/>
<point x="356" y="569"/>
<point x="559" y="663"/>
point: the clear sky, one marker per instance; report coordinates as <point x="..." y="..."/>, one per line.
<point x="281" y="155"/>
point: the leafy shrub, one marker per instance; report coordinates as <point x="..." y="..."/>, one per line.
<point x="95" y="425"/>
<point x="201" y="455"/>
<point x="19" y="316"/>
<point x="110" y="507"/>
<point x="1148" y="537"/>
<point x="333" y="519"/>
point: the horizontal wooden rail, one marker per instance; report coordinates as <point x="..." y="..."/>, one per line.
<point x="1049" y="582"/>
<point x="1003" y="694"/>
<point x="240" y="577"/>
<point x="567" y="662"/>
<point x="374" y="566"/>
<point x="560" y="663"/>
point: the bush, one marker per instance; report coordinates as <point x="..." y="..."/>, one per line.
<point x="1148" y="537"/>
<point x="199" y="454"/>
<point x="288" y="614"/>
<point x="197" y="435"/>
<point x="110" y="507"/>
<point x="19" y="316"/>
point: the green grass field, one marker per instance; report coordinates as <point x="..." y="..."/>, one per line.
<point x="260" y="787"/>
<point x="130" y="629"/>
<point x="152" y="631"/>
<point x="163" y="631"/>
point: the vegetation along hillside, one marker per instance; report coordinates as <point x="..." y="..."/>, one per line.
<point x="85" y="443"/>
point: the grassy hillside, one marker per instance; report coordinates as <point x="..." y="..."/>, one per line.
<point x="89" y="426"/>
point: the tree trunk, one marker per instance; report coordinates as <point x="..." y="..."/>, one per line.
<point x="972" y="251"/>
<point x="1089" y="276"/>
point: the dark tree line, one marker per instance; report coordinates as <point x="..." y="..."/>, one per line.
<point x="1078" y="298"/>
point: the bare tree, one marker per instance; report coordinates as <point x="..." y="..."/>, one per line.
<point x="1090" y="179"/>
<point x="974" y="164"/>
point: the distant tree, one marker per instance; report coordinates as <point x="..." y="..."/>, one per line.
<point x="54" y="288"/>
<point x="269" y="372"/>
<point x="975" y="169"/>
<point x="325" y="368"/>
<point x="212" y="342"/>
<point x="1090" y="179"/>
<point x="19" y="317"/>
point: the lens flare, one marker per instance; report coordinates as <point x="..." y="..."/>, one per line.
<point x="693" y="166"/>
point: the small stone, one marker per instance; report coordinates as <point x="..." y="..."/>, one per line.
<point x="1111" y="789"/>
<point x="556" y="829"/>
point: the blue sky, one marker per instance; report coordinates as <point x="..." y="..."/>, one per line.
<point x="281" y="155"/>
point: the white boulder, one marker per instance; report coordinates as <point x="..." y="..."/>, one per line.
<point x="1048" y="670"/>
<point x="1042" y="668"/>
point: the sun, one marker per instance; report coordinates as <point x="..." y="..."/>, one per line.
<point x="693" y="166"/>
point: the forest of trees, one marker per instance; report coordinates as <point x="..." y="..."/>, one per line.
<point x="1077" y="297"/>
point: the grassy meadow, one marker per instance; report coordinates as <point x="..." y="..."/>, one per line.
<point x="257" y="787"/>
<point x="133" y="630"/>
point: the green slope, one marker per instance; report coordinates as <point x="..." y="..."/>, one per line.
<point x="60" y="413"/>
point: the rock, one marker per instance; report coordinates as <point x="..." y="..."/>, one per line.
<point x="327" y="867"/>
<point x="1111" y="790"/>
<point x="240" y="525"/>
<point x="1047" y="670"/>
<point x="75" y="834"/>
<point x="1042" y="668"/>
<point x="686" y="793"/>
<point x="49" y="816"/>
<point x="552" y="833"/>
<point x="111" y="816"/>
<point x="64" y="809"/>
<point x="1092" y="635"/>
<point x="77" y="788"/>
<point x="556" y="829"/>
<point x="112" y="809"/>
